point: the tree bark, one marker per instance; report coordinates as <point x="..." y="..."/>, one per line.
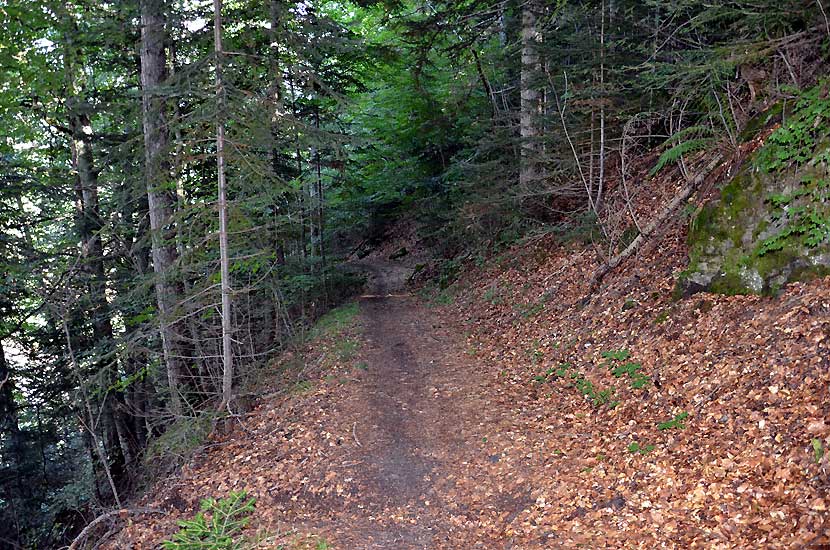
<point x="90" y="225"/>
<point x="530" y="168"/>
<point x="160" y="198"/>
<point x="224" y="256"/>
<point x="9" y="422"/>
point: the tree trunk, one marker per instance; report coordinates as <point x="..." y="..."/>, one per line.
<point x="530" y="169"/>
<point x="601" y="179"/>
<point x="160" y="199"/>
<point x="90" y="225"/>
<point x="9" y="424"/>
<point x="224" y="258"/>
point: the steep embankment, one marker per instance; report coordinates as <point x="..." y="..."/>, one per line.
<point x="703" y="438"/>
<point x="513" y="416"/>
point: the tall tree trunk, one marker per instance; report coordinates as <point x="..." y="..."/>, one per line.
<point x="224" y="257"/>
<point x="9" y="424"/>
<point x="530" y="169"/>
<point x="90" y="225"/>
<point x="160" y="199"/>
<point x="601" y="179"/>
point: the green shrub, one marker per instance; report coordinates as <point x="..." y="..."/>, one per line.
<point x="217" y="526"/>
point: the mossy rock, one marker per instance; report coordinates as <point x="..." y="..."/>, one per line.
<point x="770" y="224"/>
<point x="745" y="243"/>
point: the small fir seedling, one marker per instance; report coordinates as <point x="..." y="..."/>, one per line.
<point x="217" y="526"/>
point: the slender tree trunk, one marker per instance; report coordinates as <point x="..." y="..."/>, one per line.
<point x="601" y="179"/>
<point x="530" y="170"/>
<point x="224" y="258"/>
<point x="89" y="422"/>
<point x="9" y="423"/>
<point x="159" y="196"/>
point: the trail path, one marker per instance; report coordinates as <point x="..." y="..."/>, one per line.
<point x="403" y="445"/>
<point x="414" y="416"/>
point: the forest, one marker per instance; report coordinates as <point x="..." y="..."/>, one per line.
<point x="197" y="196"/>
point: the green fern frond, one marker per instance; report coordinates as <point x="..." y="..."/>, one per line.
<point x="692" y="131"/>
<point x="678" y="151"/>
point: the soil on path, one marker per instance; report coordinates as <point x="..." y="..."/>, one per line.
<point x="383" y="447"/>
<point x="411" y="417"/>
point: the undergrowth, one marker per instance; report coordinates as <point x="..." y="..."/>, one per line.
<point x="218" y="526"/>
<point x="801" y="141"/>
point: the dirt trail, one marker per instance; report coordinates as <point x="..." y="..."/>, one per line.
<point x="391" y="447"/>
<point x="409" y="418"/>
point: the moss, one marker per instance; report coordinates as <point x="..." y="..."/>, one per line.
<point x="727" y="250"/>
<point x="771" y="116"/>
<point x="703" y="226"/>
<point x="729" y="283"/>
<point x="772" y="263"/>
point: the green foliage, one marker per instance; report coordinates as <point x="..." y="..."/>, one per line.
<point x="346" y="348"/>
<point x="635" y="447"/>
<point x="796" y="141"/>
<point x="532" y="309"/>
<point x="801" y="140"/>
<point x="181" y="439"/>
<point x="577" y="380"/>
<point x="699" y="138"/>
<point x="301" y="387"/>
<point x="448" y="272"/>
<point x="493" y="296"/>
<point x="217" y="526"/>
<point x="678" y="422"/>
<point x="616" y="355"/>
<point x="443" y="298"/>
<point x="806" y="216"/>
<point x="614" y="362"/>
<point x="818" y="449"/>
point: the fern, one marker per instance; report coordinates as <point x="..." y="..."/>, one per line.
<point x="680" y="146"/>
<point x="692" y="131"/>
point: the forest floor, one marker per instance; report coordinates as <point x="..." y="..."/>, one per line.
<point x="504" y="412"/>
<point x="380" y="452"/>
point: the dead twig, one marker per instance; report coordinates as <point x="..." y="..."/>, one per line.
<point x="656" y="224"/>
<point x="354" y="434"/>
<point x="82" y="536"/>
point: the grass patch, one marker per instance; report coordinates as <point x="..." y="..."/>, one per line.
<point x="302" y="387"/>
<point x="346" y="349"/>
<point x="335" y="321"/>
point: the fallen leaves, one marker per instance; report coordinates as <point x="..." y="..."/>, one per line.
<point x="527" y="458"/>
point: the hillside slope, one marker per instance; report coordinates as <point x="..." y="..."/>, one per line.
<point x="404" y="434"/>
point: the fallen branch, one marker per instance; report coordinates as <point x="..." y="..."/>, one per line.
<point x="81" y="538"/>
<point x="652" y="227"/>
<point x="354" y="434"/>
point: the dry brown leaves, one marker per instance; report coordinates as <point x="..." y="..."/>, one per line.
<point x="535" y="464"/>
